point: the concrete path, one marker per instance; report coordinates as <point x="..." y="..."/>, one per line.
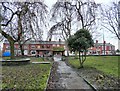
<point x="41" y="62"/>
<point x="57" y="58"/>
<point x="69" y="78"/>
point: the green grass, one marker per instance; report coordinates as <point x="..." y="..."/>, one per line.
<point x="31" y="76"/>
<point x="106" y="64"/>
<point x="35" y="59"/>
<point x="58" y="48"/>
<point x="6" y="58"/>
<point x="0" y="58"/>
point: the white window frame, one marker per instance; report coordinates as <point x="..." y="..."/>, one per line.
<point x="33" y="51"/>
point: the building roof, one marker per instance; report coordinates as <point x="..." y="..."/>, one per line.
<point x="101" y="44"/>
<point x="45" y="42"/>
<point x="41" y="42"/>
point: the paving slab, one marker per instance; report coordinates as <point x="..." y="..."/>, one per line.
<point x="69" y="78"/>
<point x="41" y="62"/>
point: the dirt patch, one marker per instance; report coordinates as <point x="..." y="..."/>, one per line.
<point x="98" y="79"/>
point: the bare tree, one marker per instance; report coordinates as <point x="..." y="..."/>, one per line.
<point x="62" y="15"/>
<point x="66" y="13"/>
<point x="59" y="28"/>
<point x="83" y="12"/>
<point x="24" y="18"/>
<point x="32" y="21"/>
<point x="86" y="12"/>
<point x="110" y="19"/>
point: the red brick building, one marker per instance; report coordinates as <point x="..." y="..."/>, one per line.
<point x="40" y="48"/>
<point x="102" y="49"/>
<point x="37" y="48"/>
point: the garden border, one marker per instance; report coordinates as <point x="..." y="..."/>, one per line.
<point x="48" y="77"/>
<point x="15" y="62"/>
<point x="93" y="87"/>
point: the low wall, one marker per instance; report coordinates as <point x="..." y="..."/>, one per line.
<point x="15" y="62"/>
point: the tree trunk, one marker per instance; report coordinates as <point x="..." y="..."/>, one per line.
<point x="67" y="53"/>
<point x="11" y="49"/>
<point x="81" y="65"/>
<point x="22" y="50"/>
<point x="82" y="61"/>
<point x="20" y="34"/>
<point x="84" y="57"/>
<point x="76" y="55"/>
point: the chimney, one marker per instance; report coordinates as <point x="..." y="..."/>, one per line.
<point x="96" y="41"/>
<point x="104" y="42"/>
<point x="50" y="39"/>
<point x="59" y="40"/>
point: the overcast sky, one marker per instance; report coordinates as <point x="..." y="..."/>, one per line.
<point x="108" y="36"/>
<point x="51" y="2"/>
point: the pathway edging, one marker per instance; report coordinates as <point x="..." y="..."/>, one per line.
<point x="48" y="78"/>
<point x="94" y="88"/>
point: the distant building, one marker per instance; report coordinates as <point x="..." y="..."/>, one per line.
<point x="102" y="49"/>
<point x="43" y="48"/>
<point x="37" y="48"/>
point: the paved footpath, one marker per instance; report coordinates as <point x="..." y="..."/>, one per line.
<point x="69" y="78"/>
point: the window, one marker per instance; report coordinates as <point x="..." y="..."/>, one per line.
<point x="42" y="46"/>
<point x="19" y="52"/>
<point x="15" y="46"/>
<point x="25" y="46"/>
<point x="38" y="46"/>
<point x="58" y="45"/>
<point x="33" y="52"/>
<point x="7" y="50"/>
<point x="7" y="46"/>
<point x="109" y="47"/>
<point x="32" y="46"/>
<point x="103" y="47"/>
<point x="54" y="45"/>
<point x="48" y="46"/>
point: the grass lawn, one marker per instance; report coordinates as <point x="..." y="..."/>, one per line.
<point x="35" y="59"/>
<point x="31" y="76"/>
<point x="106" y="64"/>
